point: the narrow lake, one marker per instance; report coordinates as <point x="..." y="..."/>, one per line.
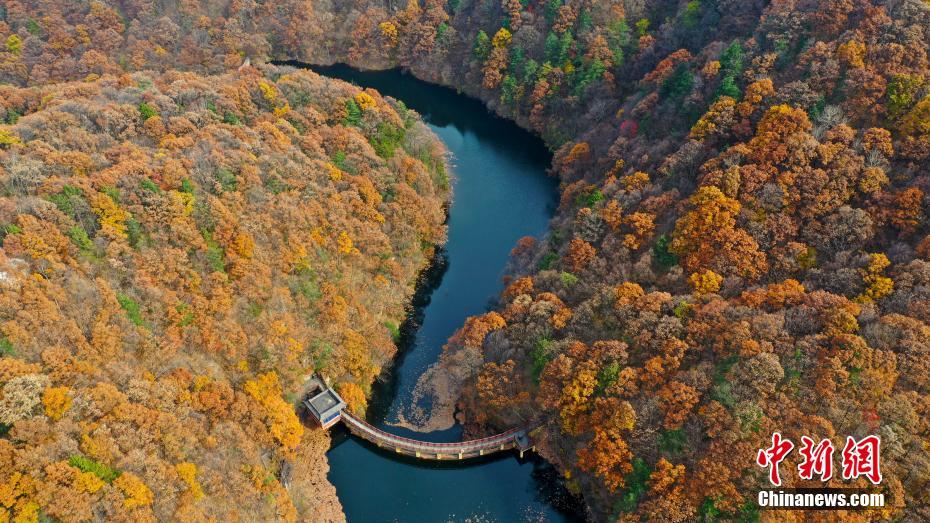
<point x="501" y="193"/>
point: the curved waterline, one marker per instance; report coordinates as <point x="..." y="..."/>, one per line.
<point x="501" y="193"/>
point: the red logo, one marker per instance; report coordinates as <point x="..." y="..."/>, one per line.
<point x="859" y="458"/>
<point x="817" y="460"/>
<point x="774" y="455"/>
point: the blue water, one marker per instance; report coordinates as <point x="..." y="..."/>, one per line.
<point x="501" y="193"/>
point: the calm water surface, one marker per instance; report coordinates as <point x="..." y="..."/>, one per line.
<point x="501" y="193"/>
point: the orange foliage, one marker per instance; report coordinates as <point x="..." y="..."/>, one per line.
<point x="57" y="401"/>
<point x="354" y="396"/>
<point x="279" y="415"/>
<point x="677" y="401"/>
<point x="707" y="237"/>
<point x="580" y="253"/>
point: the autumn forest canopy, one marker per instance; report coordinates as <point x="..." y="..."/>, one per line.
<point x="741" y="246"/>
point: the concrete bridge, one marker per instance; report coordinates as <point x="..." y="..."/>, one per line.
<point x="512" y="439"/>
<point x="327" y="408"/>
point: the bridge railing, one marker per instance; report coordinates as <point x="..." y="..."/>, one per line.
<point x="487" y="443"/>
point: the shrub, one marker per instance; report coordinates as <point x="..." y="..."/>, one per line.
<point x="9" y="229"/>
<point x="215" y="254"/>
<point x="636" y="485"/>
<point x="606" y="377"/>
<point x="353" y="113"/>
<point x="132" y="309"/>
<point x="678" y="84"/>
<point x="6" y="347"/>
<point x="540" y="356"/>
<point x="568" y="278"/>
<point x="387" y="139"/>
<point x="150" y="186"/>
<point x="691" y="14"/>
<point x="100" y="470"/>
<point x="65" y="199"/>
<point x="147" y="111"/>
<point x="79" y="237"/>
<point x="187" y="315"/>
<point x="547" y="260"/>
<point x="133" y="232"/>
<point x="482" y="47"/>
<point x="226" y="178"/>
<point x="393" y="329"/>
<point x="671" y="441"/>
<point x="665" y="259"/>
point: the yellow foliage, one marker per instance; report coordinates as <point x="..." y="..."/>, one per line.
<point x="27" y="513"/>
<point x="201" y="381"/>
<point x="281" y="419"/>
<point x="92" y="447"/>
<point x="705" y="282"/>
<point x="365" y="101"/>
<point x="8" y="138"/>
<point x="711" y="69"/>
<point x="135" y="491"/>
<point x="335" y="173"/>
<point x="627" y="292"/>
<point x="561" y="317"/>
<point x="354" y="396"/>
<point x="873" y="178"/>
<point x="268" y="91"/>
<point x="15" y="493"/>
<point x="636" y="181"/>
<point x="917" y="121"/>
<point x="878" y="262"/>
<point x="502" y="38"/>
<point x="852" y="53"/>
<point x="877" y="285"/>
<point x="87" y="482"/>
<point x="707" y="123"/>
<point x="389" y="32"/>
<point x="357" y="360"/>
<point x="56" y="401"/>
<point x="755" y="93"/>
<point x="112" y="217"/>
<point x="281" y="111"/>
<point x="575" y="394"/>
<point x="243" y="245"/>
<point x="317" y="236"/>
<point x="344" y="242"/>
<point x="579" y="151"/>
<point x="188" y="474"/>
<point x="183" y="200"/>
<point x="14" y="44"/>
<point x="612" y="214"/>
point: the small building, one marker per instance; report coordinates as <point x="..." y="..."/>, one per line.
<point x="323" y="403"/>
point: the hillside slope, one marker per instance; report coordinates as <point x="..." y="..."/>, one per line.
<point x="179" y="253"/>
<point x="741" y="246"/>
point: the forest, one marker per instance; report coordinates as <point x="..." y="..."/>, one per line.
<point x="741" y="245"/>
<point x="179" y="252"/>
